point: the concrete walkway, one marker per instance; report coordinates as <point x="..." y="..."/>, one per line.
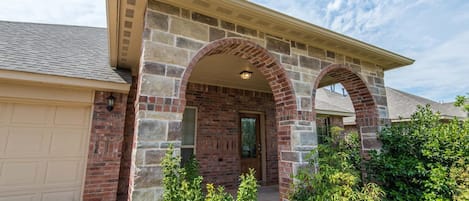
<point x="268" y="193"/>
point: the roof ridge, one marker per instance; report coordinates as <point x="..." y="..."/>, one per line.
<point x="50" y="24"/>
<point x="414" y="97"/>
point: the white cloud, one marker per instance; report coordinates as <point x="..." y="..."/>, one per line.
<point x="434" y="32"/>
<point x="71" y="12"/>
<point x="333" y="6"/>
<point x="440" y="73"/>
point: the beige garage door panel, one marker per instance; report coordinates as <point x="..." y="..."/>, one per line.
<point x="42" y="150"/>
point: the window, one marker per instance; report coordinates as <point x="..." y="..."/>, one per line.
<point x="323" y="129"/>
<point x="189" y="130"/>
<point x="249" y="141"/>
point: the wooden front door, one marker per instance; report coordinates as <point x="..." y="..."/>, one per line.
<point x="250" y="146"/>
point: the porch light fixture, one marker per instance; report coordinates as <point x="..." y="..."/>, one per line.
<point x="110" y="103"/>
<point x="245" y="75"/>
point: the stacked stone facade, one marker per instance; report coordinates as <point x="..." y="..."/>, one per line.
<point x="175" y="39"/>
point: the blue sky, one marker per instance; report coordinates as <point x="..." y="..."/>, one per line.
<point x="433" y="32"/>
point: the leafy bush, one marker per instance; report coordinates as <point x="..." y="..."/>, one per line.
<point x="180" y="183"/>
<point x="424" y="159"/>
<point x="184" y="183"/>
<point x="333" y="172"/>
<point x="247" y="190"/>
<point x="217" y="194"/>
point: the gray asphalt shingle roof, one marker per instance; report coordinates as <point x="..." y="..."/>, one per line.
<point x="327" y="100"/>
<point x="402" y="105"/>
<point x="70" y="51"/>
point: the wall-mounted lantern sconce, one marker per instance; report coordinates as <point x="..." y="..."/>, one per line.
<point x="245" y="75"/>
<point x="110" y="103"/>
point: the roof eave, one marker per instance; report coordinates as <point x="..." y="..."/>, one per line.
<point x="125" y="28"/>
<point x="400" y="60"/>
<point x="125" y="51"/>
<point x="112" y="16"/>
<point x="335" y="113"/>
<point x="309" y="33"/>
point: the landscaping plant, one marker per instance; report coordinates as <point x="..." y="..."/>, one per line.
<point x="333" y="172"/>
<point x="184" y="183"/>
<point x="247" y="190"/>
<point x="424" y="159"/>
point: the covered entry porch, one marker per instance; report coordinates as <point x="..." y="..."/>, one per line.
<point x="230" y="124"/>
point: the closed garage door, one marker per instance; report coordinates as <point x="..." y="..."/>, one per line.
<point x="42" y="149"/>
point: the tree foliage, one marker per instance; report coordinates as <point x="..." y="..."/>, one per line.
<point x="463" y="102"/>
<point x="424" y="159"/>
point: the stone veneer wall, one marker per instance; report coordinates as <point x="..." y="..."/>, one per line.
<point x="218" y="131"/>
<point x="104" y="155"/>
<point x="175" y="39"/>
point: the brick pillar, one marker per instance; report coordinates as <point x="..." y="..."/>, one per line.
<point x="127" y="144"/>
<point x="104" y="155"/>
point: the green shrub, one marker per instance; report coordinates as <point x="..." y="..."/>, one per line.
<point x="184" y="184"/>
<point x="172" y="180"/>
<point x="247" y="190"/>
<point x="217" y="194"/>
<point x="424" y="159"/>
<point x="333" y="172"/>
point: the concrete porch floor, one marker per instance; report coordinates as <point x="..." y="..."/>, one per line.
<point x="268" y="193"/>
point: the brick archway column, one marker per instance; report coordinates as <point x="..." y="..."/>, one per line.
<point x="368" y="120"/>
<point x="159" y="113"/>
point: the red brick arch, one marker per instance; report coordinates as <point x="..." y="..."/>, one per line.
<point x="280" y="84"/>
<point x="366" y="109"/>
<point x="258" y="57"/>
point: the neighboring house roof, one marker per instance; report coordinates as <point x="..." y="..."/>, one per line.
<point x="70" y="51"/>
<point x="332" y="103"/>
<point x="448" y="110"/>
<point x="401" y="105"/>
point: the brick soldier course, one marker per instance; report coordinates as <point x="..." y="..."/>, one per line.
<point x="176" y="39"/>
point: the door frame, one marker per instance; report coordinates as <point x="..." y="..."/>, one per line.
<point x="262" y="141"/>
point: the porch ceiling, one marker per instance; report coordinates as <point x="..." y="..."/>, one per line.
<point x="223" y="70"/>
